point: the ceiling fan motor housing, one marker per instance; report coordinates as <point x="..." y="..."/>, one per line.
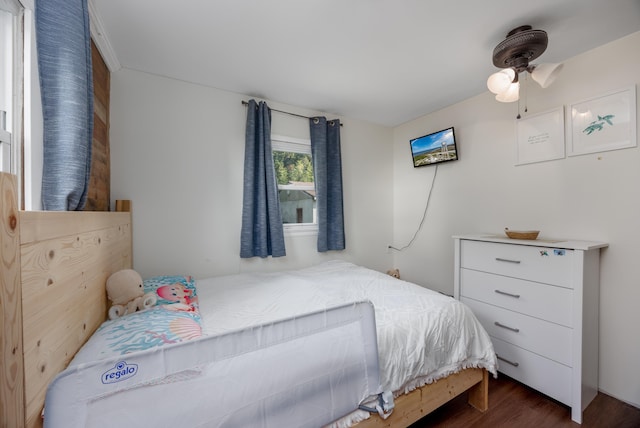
<point x="523" y="44"/>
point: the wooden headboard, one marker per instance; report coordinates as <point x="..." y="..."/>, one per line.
<point x="54" y="266"/>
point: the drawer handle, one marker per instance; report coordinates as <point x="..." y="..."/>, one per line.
<point x="517" y="330"/>
<point x="513" y="363"/>
<point x="507" y="260"/>
<point x="517" y="296"/>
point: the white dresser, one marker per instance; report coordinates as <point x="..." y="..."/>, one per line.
<point x="538" y="300"/>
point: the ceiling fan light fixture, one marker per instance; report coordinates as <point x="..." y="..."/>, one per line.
<point x="511" y="94"/>
<point x="513" y="55"/>
<point x="522" y="44"/>
<point x="500" y="81"/>
<point x="545" y="74"/>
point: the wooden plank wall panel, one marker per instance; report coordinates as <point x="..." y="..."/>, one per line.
<point x="11" y="363"/>
<point x="98" y="194"/>
<point x="38" y="226"/>
<point x="66" y="260"/>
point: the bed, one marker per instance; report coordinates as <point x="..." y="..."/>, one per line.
<point x="423" y="336"/>
<point x="53" y="299"/>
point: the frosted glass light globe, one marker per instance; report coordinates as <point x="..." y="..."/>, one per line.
<point x="500" y="81"/>
<point x="511" y="94"/>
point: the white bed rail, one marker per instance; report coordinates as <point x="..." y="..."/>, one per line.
<point x="302" y="372"/>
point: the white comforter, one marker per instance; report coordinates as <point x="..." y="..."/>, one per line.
<point x="422" y="335"/>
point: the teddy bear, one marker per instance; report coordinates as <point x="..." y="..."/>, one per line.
<point x="394" y="273"/>
<point x="126" y="293"/>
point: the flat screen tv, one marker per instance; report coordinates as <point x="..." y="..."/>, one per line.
<point x="434" y="148"/>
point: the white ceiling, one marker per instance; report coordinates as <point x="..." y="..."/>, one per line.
<point x="382" y="61"/>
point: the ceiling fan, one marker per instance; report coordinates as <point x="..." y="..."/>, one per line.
<point x="522" y="45"/>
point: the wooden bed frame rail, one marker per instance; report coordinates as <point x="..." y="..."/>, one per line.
<point x="52" y="297"/>
<point x="412" y="407"/>
<point x="54" y="266"/>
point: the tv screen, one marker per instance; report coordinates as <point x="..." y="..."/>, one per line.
<point x="434" y="148"/>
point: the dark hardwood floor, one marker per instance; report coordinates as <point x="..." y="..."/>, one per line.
<point x="512" y="404"/>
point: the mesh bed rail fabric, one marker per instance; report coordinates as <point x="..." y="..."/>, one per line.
<point x="305" y="371"/>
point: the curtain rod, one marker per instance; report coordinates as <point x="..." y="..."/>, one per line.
<point x="285" y="112"/>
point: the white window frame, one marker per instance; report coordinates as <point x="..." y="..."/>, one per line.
<point x="281" y="143"/>
<point x="11" y="136"/>
<point x="6" y="149"/>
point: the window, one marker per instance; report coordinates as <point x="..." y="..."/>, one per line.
<point x="296" y="189"/>
<point x="11" y="14"/>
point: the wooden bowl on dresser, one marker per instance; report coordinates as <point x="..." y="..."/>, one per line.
<point x="521" y="234"/>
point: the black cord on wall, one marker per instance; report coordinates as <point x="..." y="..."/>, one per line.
<point x="424" y="215"/>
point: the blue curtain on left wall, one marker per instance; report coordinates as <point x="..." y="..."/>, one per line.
<point x="262" y="234"/>
<point x="66" y="85"/>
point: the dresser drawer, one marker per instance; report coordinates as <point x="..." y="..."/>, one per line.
<point x="544" y="375"/>
<point x="544" y="338"/>
<point x="540" y="264"/>
<point x="547" y="302"/>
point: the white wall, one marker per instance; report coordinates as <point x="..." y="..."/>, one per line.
<point x="592" y="197"/>
<point x="177" y="151"/>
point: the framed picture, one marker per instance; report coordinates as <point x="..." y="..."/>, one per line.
<point x="606" y="122"/>
<point x="540" y="137"/>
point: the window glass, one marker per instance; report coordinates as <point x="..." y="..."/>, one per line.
<point x="294" y="173"/>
